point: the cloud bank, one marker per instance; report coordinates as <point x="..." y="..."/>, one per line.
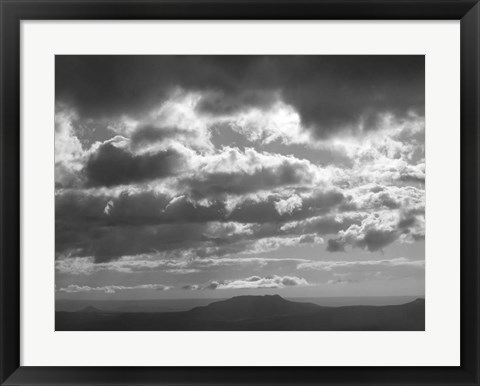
<point x="268" y="165"/>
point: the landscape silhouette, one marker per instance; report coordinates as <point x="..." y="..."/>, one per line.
<point x="252" y="313"/>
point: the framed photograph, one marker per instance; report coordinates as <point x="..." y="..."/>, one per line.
<point x="239" y="193"/>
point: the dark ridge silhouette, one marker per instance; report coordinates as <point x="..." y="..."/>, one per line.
<point x="90" y="309"/>
<point x="251" y="307"/>
<point x="252" y="313"/>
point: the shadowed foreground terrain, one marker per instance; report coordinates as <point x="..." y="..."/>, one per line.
<point x="250" y="313"/>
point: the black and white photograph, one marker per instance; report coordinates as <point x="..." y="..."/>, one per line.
<point x="239" y="193"/>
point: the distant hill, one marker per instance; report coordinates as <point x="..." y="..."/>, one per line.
<point x="90" y="309"/>
<point x="253" y="313"/>
<point x="251" y="308"/>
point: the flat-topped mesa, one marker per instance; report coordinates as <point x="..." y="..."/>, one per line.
<point x="89" y="309"/>
<point x="250" y="306"/>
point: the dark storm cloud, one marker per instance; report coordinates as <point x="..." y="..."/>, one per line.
<point x="150" y="208"/>
<point x="108" y="243"/>
<point x="256" y="212"/>
<point x="108" y="227"/>
<point x="218" y="198"/>
<point x="329" y="92"/>
<point x="77" y="206"/>
<point x="150" y="134"/>
<point x="375" y="240"/>
<point x="128" y="209"/>
<point x="103" y="86"/>
<point x="224" y="103"/>
<point x="266" y="211"/>
<point x="411" y="178"/>
<point x="184" y="210"/>
<point x="407" y="222"/>
<point x="238" y="183"/>
<point x="111" y="165"/>
<point x="335" y="245"/>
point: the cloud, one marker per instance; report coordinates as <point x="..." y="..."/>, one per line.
<point x="133" y="208"/>
<point x="378" y="197"/>
<point x="111" y="289"/>
<point x="255" y="282"/>
<point x="333" y="271"/>
<point x="174" y="263"/>
<point x="126" y="264"/>
<point x="231" y="171"/>
<point x="212" y="285"/>
<point x="335" y="245"/>
<point x="375" y="239"/>
<point x="331" y="265"/>
<point x="148" y="134"/>
<point x="288" y="205"/>
<point x="112" y="165"/>
<point x="378" y="230"/>
<point x="394" y="155"/>
<point x="338" y="272"/>
<point x="268" y="244"/>
<point x="218" y="184"/>
<point x="280" y="208"/>
<point x="324" y="224"/>
<point x="200" y="165"/>
<point x="68" y="150"/>
<point x="109" y="223"/>
<point x="174" y="123"/>
<point x="276" y="123"/>
<point x="108" y="243"/>
<point x="139" y="222"/>
<point x="330" y="93"/>
<point x="190" y="287"/>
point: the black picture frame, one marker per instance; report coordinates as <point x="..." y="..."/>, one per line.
<point x="14" y="11"/>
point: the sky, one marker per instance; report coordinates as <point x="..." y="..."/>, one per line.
<point x="217" y="176"/>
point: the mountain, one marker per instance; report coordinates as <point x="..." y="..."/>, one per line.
<point x="90" y="309"/>
<point x="251" y="307"/>
<point x="253" y="313"/>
